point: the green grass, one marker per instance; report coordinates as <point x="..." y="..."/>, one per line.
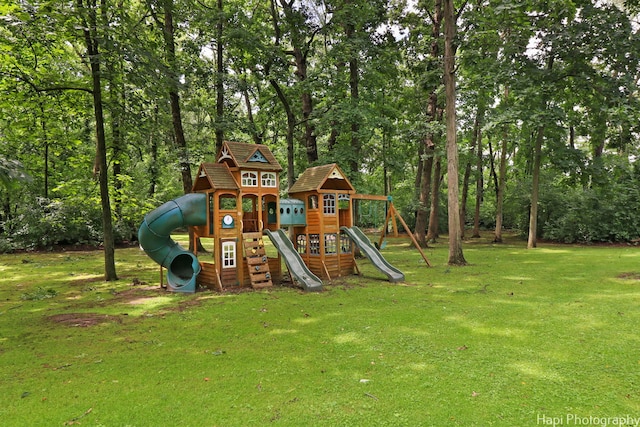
<point x="515" y="336"/>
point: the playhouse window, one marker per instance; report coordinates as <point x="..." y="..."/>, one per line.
<point x="301" y="242"/>
<point x="249" y="179"/>
<point x="314" y="244"/>
<point x="345" y="244"/>
<point x="330" y="244"/>
<point x="268" y="179"/>
<point x="228" y="254"/>
<point x="313" y="202"/>
<point x="329" y="203"/>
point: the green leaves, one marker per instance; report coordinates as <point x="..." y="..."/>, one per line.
<point x="11" y="171"/>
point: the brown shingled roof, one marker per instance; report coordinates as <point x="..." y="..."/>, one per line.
<point x="322" y="177"/>
<point x="218" y="175"/>
<point x="241" y="152"/>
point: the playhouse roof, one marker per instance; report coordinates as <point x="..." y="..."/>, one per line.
<point x="325" y="177"/>
<point x="216" y="176"/>
<point x="249" y="156"/>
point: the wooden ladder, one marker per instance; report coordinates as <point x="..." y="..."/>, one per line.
<point x="257" y="261"/>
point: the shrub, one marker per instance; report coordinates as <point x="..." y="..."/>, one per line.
<point x="46" y="223"/>
<point x="607" y="213"/>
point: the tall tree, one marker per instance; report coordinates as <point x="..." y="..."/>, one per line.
<point x="280" y="93"/>
<point x="302" y="35"/>
<point x="479" y="172"/>
<point x="219" y="76"/>
<point x="502" y="177"/>
<point x="456" y="256"/>
<point x="428" y="186"/>
<point x="172" y="81"/>
<point x="88" y="13"/>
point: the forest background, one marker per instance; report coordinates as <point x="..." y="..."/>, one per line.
<point x="108" y="106"/>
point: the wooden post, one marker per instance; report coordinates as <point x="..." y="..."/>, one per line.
<point x="391" y="214"/>
<point x="415" y="242"/>
<point x="355" y="264"/>
<point x="326" y="271"/>
<point x="394" y="225"/>
<point x="386" y="224"/>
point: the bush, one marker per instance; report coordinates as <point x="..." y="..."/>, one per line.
<point x="46" y="223"/>
<point x="607" y="213"/>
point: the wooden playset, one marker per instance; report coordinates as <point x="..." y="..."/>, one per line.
<point x="236" y="204"/>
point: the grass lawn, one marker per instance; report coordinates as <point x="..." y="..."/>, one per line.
<point x="517" y="338"/>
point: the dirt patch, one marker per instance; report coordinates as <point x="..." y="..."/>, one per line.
<point x="629" y="276"/>
<point x="83" y="320"/>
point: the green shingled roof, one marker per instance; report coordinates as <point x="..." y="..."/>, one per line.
<point x="322" y="177"/>
<point x="244" y="156"/>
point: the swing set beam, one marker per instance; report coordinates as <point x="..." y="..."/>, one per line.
<point x="392" y="213"/>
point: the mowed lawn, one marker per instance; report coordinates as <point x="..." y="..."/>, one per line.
<point x="516" y="338"/>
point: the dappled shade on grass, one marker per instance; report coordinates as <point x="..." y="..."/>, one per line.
<point x="514" y="334"/>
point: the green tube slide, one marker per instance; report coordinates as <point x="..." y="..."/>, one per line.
<point x="154" y="236"/>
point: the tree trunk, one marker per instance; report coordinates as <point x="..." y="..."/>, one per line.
<point x="300" y="52"/>
<point x="219" y="78"/>
<point x="434" y="212"/>
<point x="354" y="91"/>
<point x="465" y="195"/>
<point x="425" y="190"/>
<point x="45" y="140"/>
<point x="532" y="242"/>
<point x="291" y="119"/>
<point x="479" y="179"/>
<point x="154" y="171"/>
<point x="174" y="98"/>
<point x="174" y="101"/>
<point x="253" y="129"/>
<point x="430" y="188"/>
<point x="502" y="181"/>
<point x="291" y="125"/>
<point x="467" y="174"/>
<point x="426" y="183"/>
<point x="116" y="104"/>
<point x="90" y="25"/>
<point x="456" y="256"/>
<point x="355" y="126"/>
<point x="418" y="181"/>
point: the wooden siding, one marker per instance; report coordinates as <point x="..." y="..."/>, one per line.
<point x="316" y="267"/>
<point x="229" y="277"/>
<point x="208" y="276"/>
<point x="346" y="265"/>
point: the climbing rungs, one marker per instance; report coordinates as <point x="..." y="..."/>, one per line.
<point x="254" y="236"/>
<point x="253" y="260"/>
<point x="260" y="277"/>
<point x="262" y="285"/>
<point x="259" y="252"/>
<point x="257" y="261"/>
<point x="251" y="244"/>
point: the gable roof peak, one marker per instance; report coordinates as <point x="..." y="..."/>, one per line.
<point x="325" y="177"/>
<point x="248" y="156"/>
